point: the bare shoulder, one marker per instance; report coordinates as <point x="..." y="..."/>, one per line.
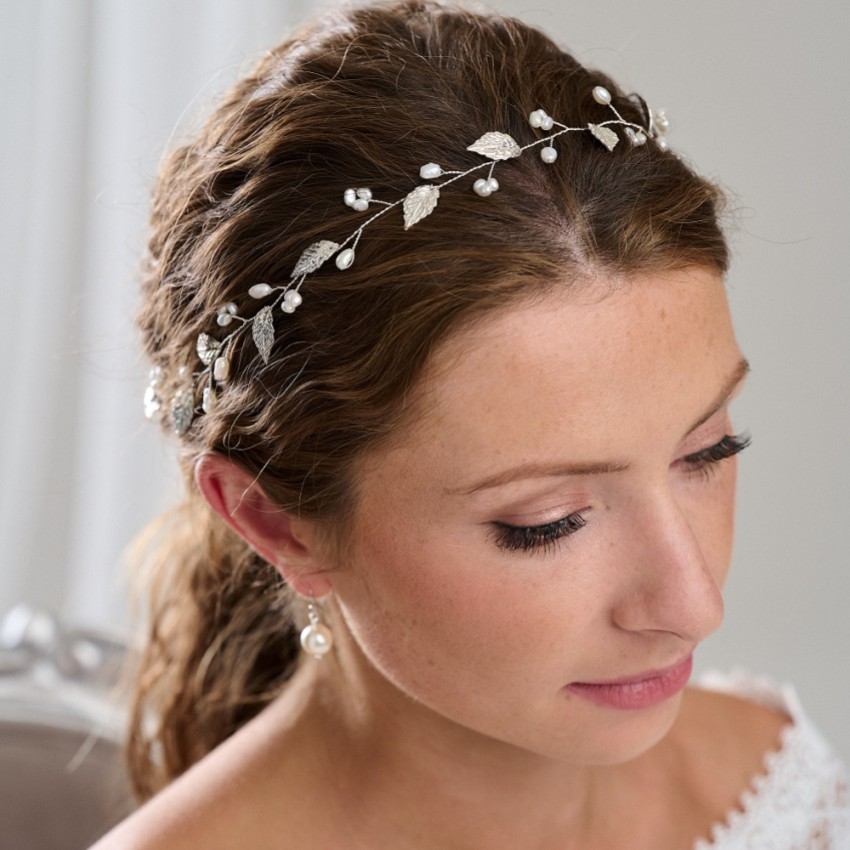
<point x="207" y="807"/>
<point x="224" y="801"/>
<point x="724" y="740"/>
<point x="245" y="793"/>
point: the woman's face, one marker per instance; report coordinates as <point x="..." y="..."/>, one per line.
<point x="560" y="515"/>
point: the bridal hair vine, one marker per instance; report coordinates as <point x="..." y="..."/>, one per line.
<point x="420" y="202"/>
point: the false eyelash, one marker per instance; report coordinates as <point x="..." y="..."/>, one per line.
<point x="514" y="538"/>
<point x="703" y="461"/>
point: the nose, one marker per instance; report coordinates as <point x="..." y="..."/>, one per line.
<point x="672" y="587"/>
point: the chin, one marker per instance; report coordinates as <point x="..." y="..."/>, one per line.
<point x="603" y="737"/>
<point x="621" y="736"/>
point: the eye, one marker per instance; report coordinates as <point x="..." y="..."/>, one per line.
<point x="705" y="461"/>
<point x="537" y="538"/>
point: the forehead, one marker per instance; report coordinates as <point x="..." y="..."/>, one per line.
<point x="572" y="371"/>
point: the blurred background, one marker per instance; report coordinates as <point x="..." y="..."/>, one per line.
<point x="94" y="91"/>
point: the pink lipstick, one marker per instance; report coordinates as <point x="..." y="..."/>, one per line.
<point x="635" y="692"/>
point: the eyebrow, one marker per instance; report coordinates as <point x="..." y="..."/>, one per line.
<point x="741" y="371"/>
<point x="546" y="470"/>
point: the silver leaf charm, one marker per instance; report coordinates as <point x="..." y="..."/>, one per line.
<point x="182" y="411"/>
<point x="605" y="135"/>
<point x="207" y="348"/>
<point x="262" y="329"/>
<point x="419" y="203"/>
<point x="496" y="146"/>
<point x="313" y="256"/>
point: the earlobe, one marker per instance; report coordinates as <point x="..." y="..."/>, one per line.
<point x="285" y="542"/>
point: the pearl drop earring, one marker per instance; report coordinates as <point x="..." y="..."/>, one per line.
<point x="316" y="638"/>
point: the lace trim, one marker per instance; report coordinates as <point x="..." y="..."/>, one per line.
<point x="802" y="800"/>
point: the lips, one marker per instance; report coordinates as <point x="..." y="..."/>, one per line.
<point x="631" y="693"/>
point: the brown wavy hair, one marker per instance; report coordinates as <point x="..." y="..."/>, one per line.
<point x="363" y="97"/>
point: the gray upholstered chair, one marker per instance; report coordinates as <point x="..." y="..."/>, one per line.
<point x="61" y="776"/>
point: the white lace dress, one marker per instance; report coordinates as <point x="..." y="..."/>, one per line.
<point x="802" y="800"/>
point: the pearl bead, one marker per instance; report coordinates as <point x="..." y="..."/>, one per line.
<point x="636" y="137"/>
<point x="602" y="95"/>
<point x="535" y="118"/>
<point x="548" y="155"/>
<point x="293" y="297"/>
<point x="316" y="639"/>
<point x="482" y="187"/>
<point x="430" y="171"/>
<point x="662" y="143"/>
<point x="209" y="399"/>
<point x="361" y="205"/>
<point x="344" y="259"/>
<point x="260" y="290"/>
<point x="349" y="196"/>
<point x="546" y="122"/>
<point x="226" y="313"/>
<point x="153" y="403"/>
<point x="662" y="122"/>
<point x="364" y="194"/>
<point x="221" y="369"/>
<point x="493" y="184"/>
<point x="287" y="307"/>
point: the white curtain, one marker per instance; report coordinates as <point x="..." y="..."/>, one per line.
<point x="93" y="91"/>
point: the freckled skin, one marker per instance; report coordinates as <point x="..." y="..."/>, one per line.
<point x="440" y="719"/>
<point x="487" y="639"/>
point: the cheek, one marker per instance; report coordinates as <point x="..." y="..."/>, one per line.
<point x="711" y="514"/>
<point x="431" y="613"/>
<point x="429" y="600"/>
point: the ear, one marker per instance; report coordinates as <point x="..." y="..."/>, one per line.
<point x="288" y="543"/>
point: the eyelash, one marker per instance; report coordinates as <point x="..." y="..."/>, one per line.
<point x="705" y="462"/>
<point x="536" y="538"/>
<point x="543" y="538"/>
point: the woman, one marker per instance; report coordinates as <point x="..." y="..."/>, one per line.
<point x="458" y="521"/>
